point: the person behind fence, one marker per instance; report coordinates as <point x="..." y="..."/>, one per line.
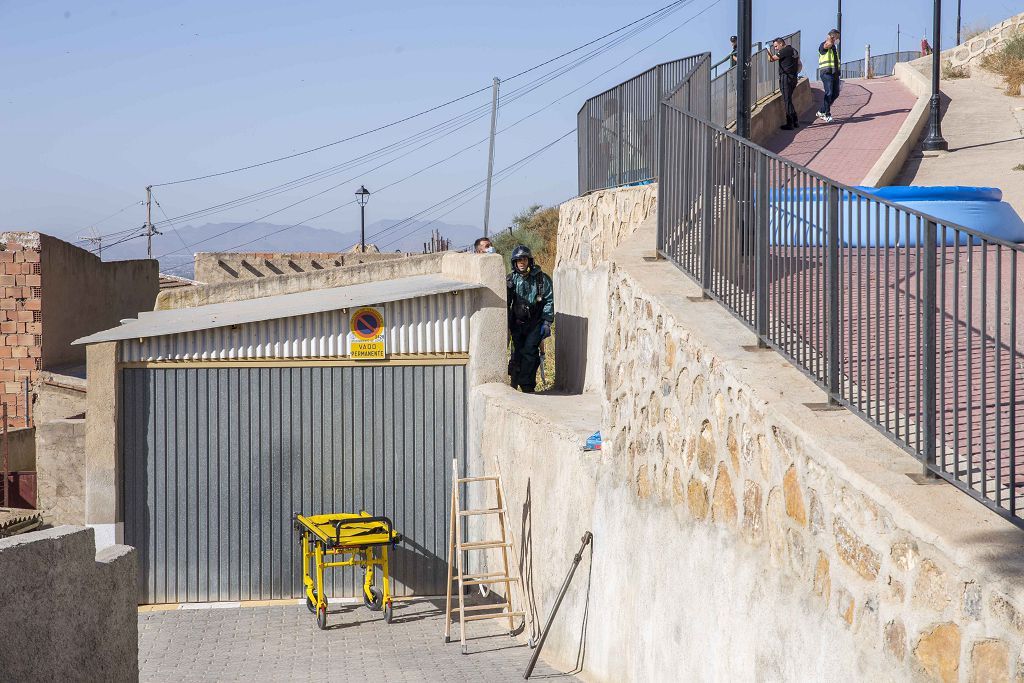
<point x="734" y="57"/>
<point x="531" y="310"/>
<point x="828" y="73"/>
<point x="483" y="245"/>
<point x="789" y="70"/>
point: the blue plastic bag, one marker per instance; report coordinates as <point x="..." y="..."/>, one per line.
<point x="594" y="442"/>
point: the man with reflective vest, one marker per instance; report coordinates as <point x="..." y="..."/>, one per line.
<point x="828" y="72"/>
<point x="531" y="310"/>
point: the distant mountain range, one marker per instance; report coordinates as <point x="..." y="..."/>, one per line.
<point x="175" y="251"/>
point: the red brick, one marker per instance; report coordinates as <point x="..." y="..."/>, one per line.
<point x="28" y="363"/>
<point x="10" y="363"/>
<point x="6" y="375"/>
<point x="19" y="279"/>
<point x="32" y="256"/>
<point x="25" y="374"/>
<point x="19" y="351"/>
<point x="5" y="352"/>
<point x="7" y="280"/>
<point x="14" y="247"/>
<point x="34" y="352"/>
<point x="22" y="316"/>
<point x="19" y="257"/>
<point x="34" y="328"/>
<point x="33" y="305"/>
<point x="6" y="256"/>
<point x="34" y="280"/>
<point x="9" y="327"/>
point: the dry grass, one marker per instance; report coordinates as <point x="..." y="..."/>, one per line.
<point x="952" y="73"/>
<point x="1019" y="167"/>
<point x="1008" y="62"/>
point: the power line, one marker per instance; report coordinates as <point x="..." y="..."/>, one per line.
<point x="418" y="114"/>
<point x="476" y="113"/>
<point x="513" y="166"/>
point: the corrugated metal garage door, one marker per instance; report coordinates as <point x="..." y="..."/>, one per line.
<point x="217" y="460"/>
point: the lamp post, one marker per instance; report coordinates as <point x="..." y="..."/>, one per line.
<point x="935" y="142"/>
<point x="744" y="39"/>
<point x="839" y="27"/>
<point x="957" y="22"/>
<point x="362" y="196"/>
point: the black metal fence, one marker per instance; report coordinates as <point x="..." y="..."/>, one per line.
<point x="764" y="82"/>
<point x="909" y="321"/>
<point x="618" y="129"/>
<point x="881" y="65"/>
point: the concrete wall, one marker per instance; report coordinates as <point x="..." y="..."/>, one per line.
<point x="82" y="294"/>
<point x="588" y="229"/>
<point x="22" y="444"/>
<point x="218" y="267"/>
<point x="187" y="297"/>
<point x="60" y="470"/>
<point x="69" y="612"/>
<point x="766" y="117"/>
<point x="739" y="535"/>
<point x="889" y="165"/>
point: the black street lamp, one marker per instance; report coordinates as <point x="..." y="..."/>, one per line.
<point x="935" y="142"/>
<point x="362" y="196"/>
<point x="839" y="27"/>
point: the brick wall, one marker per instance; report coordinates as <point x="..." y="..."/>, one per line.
<point x="20" y="324"/>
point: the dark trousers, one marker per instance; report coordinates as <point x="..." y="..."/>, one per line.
<point x="830" y="82"/>
<point x="522" y="368"/>
<point x="787" y="84"/>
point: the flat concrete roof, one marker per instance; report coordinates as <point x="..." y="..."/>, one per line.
<point x="159" y="323"/>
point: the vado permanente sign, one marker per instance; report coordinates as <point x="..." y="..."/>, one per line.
<point x="366" y="333"/>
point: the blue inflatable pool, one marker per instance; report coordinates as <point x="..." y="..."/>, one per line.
<point x="798" y="216"/>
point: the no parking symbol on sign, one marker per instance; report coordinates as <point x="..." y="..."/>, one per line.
<point x="366" y="333"/>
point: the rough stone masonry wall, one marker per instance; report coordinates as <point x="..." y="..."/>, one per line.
<point x="985" y="43"/>
<point x="588" y="228"/>
<point x="69" y="612"/>
<point x="739" y="535"/>
<point x="20" y="319"/>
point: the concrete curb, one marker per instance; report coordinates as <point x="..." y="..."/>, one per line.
<point x="895" y="155"/>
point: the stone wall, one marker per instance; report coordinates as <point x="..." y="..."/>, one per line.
<point x="217" y="267"/>
<point x="984" y="43"/>
<point x="589" y="228"/>
<point x="69" y="612"/>
<point x="739" y="534"/>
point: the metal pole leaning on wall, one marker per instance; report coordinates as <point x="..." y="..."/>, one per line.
<point x="928" y="351"/>
<point x="7" y="457"/>
<point x="585" y="541"/>
<point x="832" y="288"/>
<point x="762" y="235"/>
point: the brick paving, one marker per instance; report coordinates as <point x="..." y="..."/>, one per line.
<point x="866" y="116"/>
<point x="283" y="643"/>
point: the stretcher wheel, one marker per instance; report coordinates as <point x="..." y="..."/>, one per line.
<point x="387" y="613"/>
<point x="377" y="601"/>
<point x="310" y="605"/>
<point x="321" y="618"/>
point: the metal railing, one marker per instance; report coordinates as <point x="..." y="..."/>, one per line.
<point x="907" y="320"/>
<point x="764" y="82"/>
<point x="617" y="131"/>
<point x="881" y="65"/>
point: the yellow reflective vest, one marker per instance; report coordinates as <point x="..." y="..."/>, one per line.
<point x="829" y="59"/>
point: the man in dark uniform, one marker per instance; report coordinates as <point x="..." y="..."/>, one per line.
<point x="531" y="310"/>
<point x="789" y="70"/>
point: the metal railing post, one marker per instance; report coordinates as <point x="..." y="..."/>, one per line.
<point x="832" y="290"/>
<point x="928" y="350"/>
<point x="708" y="213"/>
<point x="761" y="238"/>
<point x="660" y="168"/>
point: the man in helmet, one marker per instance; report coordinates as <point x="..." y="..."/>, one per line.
<point x="531" y="310"/>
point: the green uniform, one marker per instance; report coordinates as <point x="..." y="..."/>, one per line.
<point x="531" y="303"/>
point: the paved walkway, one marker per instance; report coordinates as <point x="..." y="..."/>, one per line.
<point x="866" y="116"/>
<point x="283" y="643"/>
<point x="985" y="131"/>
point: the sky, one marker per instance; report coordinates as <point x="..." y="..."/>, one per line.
<point x="99" y="99"/>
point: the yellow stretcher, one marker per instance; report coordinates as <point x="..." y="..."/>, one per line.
<point x="355" y="537"/>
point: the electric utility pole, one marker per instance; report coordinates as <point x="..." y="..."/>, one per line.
<point x="149" y="221"/>
<point x="490" y="154"/>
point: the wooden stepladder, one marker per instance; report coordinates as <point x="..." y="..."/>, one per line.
<point x="457" y="550"/>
